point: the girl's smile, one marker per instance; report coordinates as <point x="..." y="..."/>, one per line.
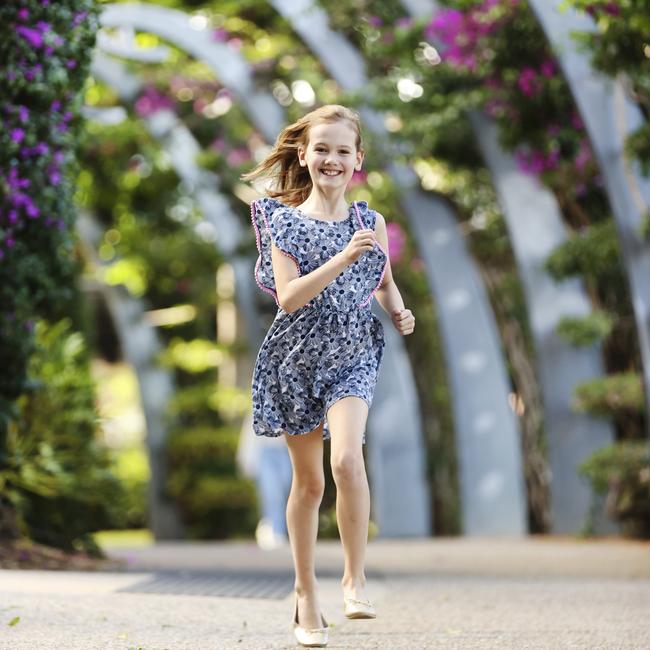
<point x="331" y="154"/>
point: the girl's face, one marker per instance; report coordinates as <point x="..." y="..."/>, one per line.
<point x="331" y="154"/>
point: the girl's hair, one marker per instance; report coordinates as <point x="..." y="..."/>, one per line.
<point x="292" y="183"/>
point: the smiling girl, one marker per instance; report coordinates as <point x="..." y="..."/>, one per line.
<point x="323" y="261"/>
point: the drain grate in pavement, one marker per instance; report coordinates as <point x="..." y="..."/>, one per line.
<point x="226" y="584"/>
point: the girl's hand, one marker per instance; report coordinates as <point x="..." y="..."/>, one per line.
<point x="403" y="320"/>
<point x="363" y="240"/>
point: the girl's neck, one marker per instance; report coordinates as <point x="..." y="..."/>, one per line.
<point x="322" y="205"/>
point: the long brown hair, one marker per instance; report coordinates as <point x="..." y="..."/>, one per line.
<point x="292" y="183"/>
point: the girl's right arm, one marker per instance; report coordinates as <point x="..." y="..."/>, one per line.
<point x="295" y="291"/>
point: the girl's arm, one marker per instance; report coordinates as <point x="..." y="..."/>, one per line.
<point x="295" y="291"/>
<point x="388" y="295"/>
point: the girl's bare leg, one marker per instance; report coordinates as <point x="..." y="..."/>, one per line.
<point x="347" y="421"/>
<point x="307" y="486"/>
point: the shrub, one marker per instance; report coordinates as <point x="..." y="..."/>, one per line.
<point x="45" y="48"/>
<point x="214" y="502"/>
<point x="622" y="472"/>
<point x="56" y="475"/>
<point x="609" y="395"/>
<point x="588" y="330"/>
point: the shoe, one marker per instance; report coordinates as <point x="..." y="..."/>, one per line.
<point x="359" y="608"/>
<point x="315" y="637"/>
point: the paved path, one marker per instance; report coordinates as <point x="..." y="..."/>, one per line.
<point x="451" y="593"/>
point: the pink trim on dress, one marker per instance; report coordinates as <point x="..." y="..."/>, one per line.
<point x="258" y="244"/>
<point x="381" y="248"/>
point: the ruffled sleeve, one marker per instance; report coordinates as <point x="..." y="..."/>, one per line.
<point x="270" y="231"/>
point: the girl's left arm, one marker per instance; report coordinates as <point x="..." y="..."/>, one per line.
<point x="388" y="295"/>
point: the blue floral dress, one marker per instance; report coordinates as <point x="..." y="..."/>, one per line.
<point x="331" y="347"/>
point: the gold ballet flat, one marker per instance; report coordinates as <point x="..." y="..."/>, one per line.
<point x="315" y="637"/>
<point x="355" y="608"/>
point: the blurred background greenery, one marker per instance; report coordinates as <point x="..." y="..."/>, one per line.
<point x="73" y="459"/>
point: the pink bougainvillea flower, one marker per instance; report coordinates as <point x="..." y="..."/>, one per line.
<point x="358" y="178"/>
<point x="548" y="68"/>
<point x="528" y="82"/>
<point x="396" y="241"/>
<point x="238" y="156"/>
<point x="220" y="34"/>
<point x="151" y="101"/>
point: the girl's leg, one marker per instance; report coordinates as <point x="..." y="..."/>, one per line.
<point x="307" y="487"/>
<point x="347" y="421"/>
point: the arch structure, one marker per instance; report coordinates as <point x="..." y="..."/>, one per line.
<point x="609" y="116"/>
<point x="488" y="442"/>
<point x="535" y="228"/>
<point x="268" y="117"/>
<point x="141" y="347"/>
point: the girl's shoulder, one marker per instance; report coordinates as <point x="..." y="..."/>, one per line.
<point x="367" y="214"/>
<point x="270" y="209"/>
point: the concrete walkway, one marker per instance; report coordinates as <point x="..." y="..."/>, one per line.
<point x="538" y="592"/>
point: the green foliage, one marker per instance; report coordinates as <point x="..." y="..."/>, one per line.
<point x="213" y="501"/>
<point x="45" y="49"/>
<point x="622" y="472"/>
<point x="607" y="396"/>
<point x="645" y="226"/>
<point x="56" y="474"/>
<point x="618" y="47"/>
<point x="588" y="330"/>
<point x="593" y="253"/>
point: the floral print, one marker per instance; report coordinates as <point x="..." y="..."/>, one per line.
<point x="331" y="347"/>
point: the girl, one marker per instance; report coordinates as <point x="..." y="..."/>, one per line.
<point x="323" y="261"/>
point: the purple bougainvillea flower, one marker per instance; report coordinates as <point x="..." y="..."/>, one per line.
<point x="12" y="216"/>
<point x="32" y="36"/>
<point x="58" y="157"/>
<point x="56" y="105"/>
<point x="10" y="242"/>
<point x="375" y="21"/>
<point x="70" y="64"/>
<point x="404" y="23"/>
<point x="32" y="211"/>
<point x="43" y="27"/>
<point x="55" y="177"/>
<point x="17" y="135"/>
<point x="79" y="17"/>
<point x="41" y="149"/>
<point x="23" y="14"/>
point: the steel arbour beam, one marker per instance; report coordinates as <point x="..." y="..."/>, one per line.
<point x="535" y="226"/>
<point x="155" y="20"/>
<point x="491" y="477"/>
<point x="609" y="116"/>
<point x="141" y="347"/>
<point x="232" y="70"/>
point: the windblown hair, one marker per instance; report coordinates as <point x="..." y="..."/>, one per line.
<point x="292" y="183"/>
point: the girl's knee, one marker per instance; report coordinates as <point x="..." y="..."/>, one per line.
<point x="310" y="488"/>
<point x="347" y="466"/>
